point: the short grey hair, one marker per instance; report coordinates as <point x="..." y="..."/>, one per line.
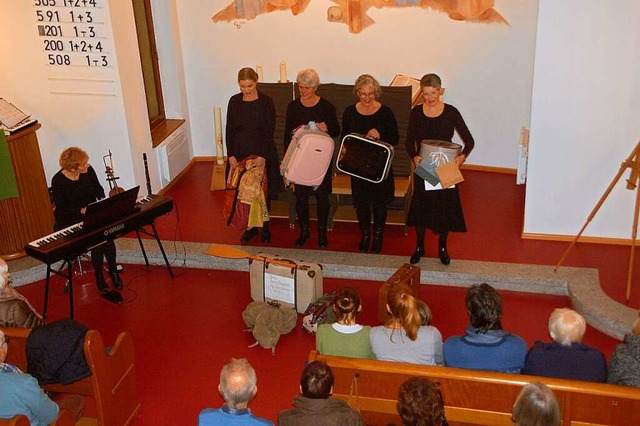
<point x="308" y="77"/>
<point x="367" y="80"/>
<point x="431" y="80"/>
<point x="566" y="326"/>
<point x="237" y="382"/>
<point x="536" y="405"/>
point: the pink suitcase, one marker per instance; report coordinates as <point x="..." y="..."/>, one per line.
<point x="308" y="157"/>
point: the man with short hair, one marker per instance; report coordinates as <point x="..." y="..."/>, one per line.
<point x="485" y="345"/>
<point x="21" y="394"/>
<point x="314" y="407"/>
<point x="238" y="386"/>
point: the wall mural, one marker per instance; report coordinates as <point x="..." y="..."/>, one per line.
<point x="354" y="12"/>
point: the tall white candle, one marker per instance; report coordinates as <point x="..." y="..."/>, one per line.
<point x="283" y="72"/>
<point x="260" y="72"/>
<point x="217" y="125"/>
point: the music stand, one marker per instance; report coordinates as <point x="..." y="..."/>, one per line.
<point x="633" y="163"/>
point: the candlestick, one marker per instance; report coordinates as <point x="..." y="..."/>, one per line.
<point x="217" y="125"/>
<point x="283" y="72"/>
<point x="260" y="73"/>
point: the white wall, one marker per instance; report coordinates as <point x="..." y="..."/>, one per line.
<point x="584" y="118"/>
<point x="486" y="68"/>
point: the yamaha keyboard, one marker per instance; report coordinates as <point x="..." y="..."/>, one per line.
<point x="70" y="242"/>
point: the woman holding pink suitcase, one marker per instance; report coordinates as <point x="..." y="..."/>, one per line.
<point x="310" y="107"/>
<point x="251" y="121"/>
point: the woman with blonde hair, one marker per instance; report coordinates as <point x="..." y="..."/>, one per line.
<point x="403" y="338"/>
<point x="374" y="120"/>
<point x="566" y="357"/>
<point x="75" y="186"/>
<point x="345" y="337"/>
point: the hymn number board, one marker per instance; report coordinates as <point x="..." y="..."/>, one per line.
<point x="76" y="40"/>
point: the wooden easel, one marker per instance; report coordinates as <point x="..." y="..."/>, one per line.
<point x="632" y="162"/>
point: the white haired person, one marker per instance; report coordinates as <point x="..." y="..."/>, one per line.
<point x="536" y="405"/>
<point x="566" y="357"/>
<point x="21" y="394"/>
<point x="15" y="310"/>
<point x="311" y="107"/>
<point x="238" y="386"/>
<point x="624" y="366"/>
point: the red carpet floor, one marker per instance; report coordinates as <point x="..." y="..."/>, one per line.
<point x="186" y="329"/>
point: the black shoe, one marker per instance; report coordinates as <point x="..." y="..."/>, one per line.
<point x="265" y="236"/>
<point x="101" y="283"/>
<point x="444" y="256"/>
<point x="248" y="235"/>
<point x="415" y="258"/>
<point x="323" y="241"/>
<point x="115" y="279"/>
<point x="365" y="241"/>
<point x="376" y="246"/>
<point x="304" y="236"/>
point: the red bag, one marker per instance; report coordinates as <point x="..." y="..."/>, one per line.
<point x="235" y="212"/>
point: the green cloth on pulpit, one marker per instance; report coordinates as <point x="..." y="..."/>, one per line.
<point x="8" y="184"/>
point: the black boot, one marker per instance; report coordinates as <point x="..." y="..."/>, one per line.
<point x="303" y="218"/>
<point x="100" y="282"/>
<point x="379" y="220"/>
<point x="265" y="236"/>
<point x="248" y="235"/>
<point x="323" y="241"/>
<point x="415" y="258"/>
<point x="115" y="278"/>
<point x="442" y="249"/>
<point x="364" y="220"/>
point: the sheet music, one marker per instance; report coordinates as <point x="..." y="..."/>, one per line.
<point x="10" y="116"/>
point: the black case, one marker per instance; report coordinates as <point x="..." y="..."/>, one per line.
<point x="364" y="158"/>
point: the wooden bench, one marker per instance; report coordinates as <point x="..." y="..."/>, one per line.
<point x="474" y="397"/>
<point x="112" y="383"/>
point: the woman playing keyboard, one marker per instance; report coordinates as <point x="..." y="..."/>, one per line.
<point x="74" y="187"/>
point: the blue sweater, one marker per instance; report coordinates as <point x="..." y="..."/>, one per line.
<point x="495" y="350"/>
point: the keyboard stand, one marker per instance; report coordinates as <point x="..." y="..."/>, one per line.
<point x="68" y="276"/>
<point x="153" y="234"/>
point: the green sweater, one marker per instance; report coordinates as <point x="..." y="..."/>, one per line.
<point x="353" y="345"/>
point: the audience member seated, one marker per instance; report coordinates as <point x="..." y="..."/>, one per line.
<point x="21" y="394"/>
<point x="315" y="407"/>
<point x="345" y="337"/>
<point x="485" y="345"/>
<point x="420" y="403"/>
<point x="536" y="405"/>
<point x="15" y="310"/>
<point x="238" y="386"/>
<point x="566" y="357"/>
<point x="404" y="338"/>
<point x="624" y="367"/>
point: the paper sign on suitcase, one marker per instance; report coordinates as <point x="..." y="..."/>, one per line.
<point x="308" y="157"/>
<point x="364" y="157"/>
<point x="295" y="286"/>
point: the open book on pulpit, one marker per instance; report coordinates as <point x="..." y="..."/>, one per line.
<point x="12" y="118"/>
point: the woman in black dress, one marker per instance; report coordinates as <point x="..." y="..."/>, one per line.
<point x="370" y="118"/>
<point x="433" y="207"/>
<point x="74" y="187"/>
<point x="251" y="120"/>
<point x="311" y="107"/>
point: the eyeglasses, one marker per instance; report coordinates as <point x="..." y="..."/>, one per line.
<point x="367" y="95"/>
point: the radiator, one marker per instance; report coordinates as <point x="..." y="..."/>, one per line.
<point x="173" y="155"/>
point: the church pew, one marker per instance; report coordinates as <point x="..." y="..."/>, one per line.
<point x="112" y="382"/>
<point x="474" y="397"/>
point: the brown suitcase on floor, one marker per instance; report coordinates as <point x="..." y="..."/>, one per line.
<point x="408" y="274"/>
